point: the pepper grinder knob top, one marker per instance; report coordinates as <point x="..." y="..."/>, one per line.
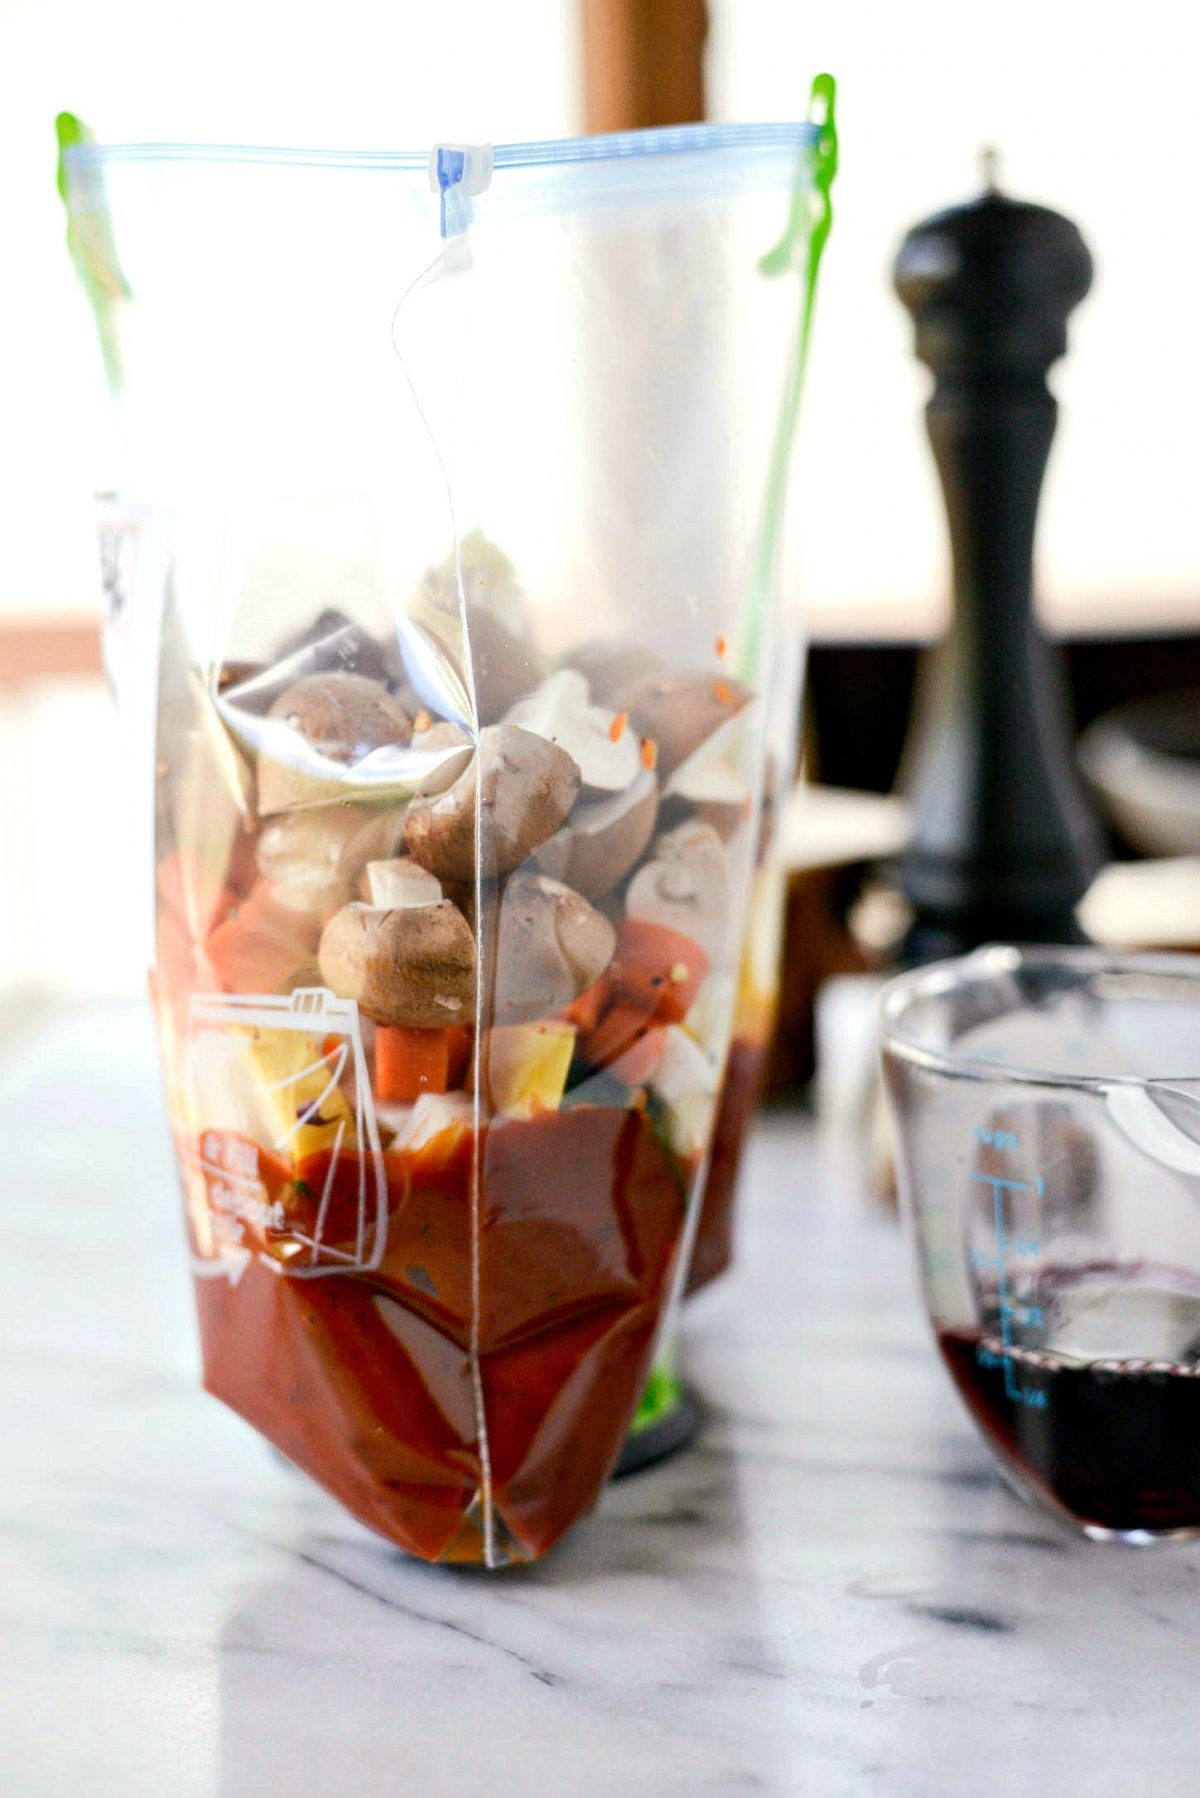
<point x="991" y="284"/>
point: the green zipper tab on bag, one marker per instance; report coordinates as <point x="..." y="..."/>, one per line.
<point x="798" y="251"/>
<point x="90" y="239"/>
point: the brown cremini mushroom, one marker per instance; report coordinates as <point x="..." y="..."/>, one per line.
<point x="550" y="946"/>
<point x="443" y="750"/>
<point x="612" y="667"/>
<point x="685" y="885"/>
<point x="679" y="712"/>
<point x="710" y="782"/>
<point x="523" y="787"/>
<point x="602" y="839"/>
<point x="412" y="965"/>
<point x="379" y="838"/>
<point x="598" y="741"/>
<point x="312" y="857"/>
<point x="334" y="641"/>
<point x="339" y="718"/>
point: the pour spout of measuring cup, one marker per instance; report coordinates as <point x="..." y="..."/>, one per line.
<point x="1162" y="1119"/>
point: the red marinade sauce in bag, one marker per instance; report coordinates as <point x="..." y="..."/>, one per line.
<point x="365" y="1379"/>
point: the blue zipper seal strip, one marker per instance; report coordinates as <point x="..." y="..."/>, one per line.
<point x="460" y="173"/>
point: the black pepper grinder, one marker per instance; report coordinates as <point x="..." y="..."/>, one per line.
<point x="1004" y="842"/>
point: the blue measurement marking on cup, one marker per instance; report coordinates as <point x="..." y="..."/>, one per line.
<point x="1017" y="1246"/>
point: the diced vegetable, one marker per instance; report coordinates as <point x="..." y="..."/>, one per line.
<point x="584" y="1012"/>
<point x="402" y="882"/>
<point x="264" y="947"/>
<point x="525" y="1066"/>
<point x="687" y="1081"/>
<point x="626" y="1043"/>
<point x="658" y="968"/>
<point x="411" y="1062"/>
<point x="290" y="1087"/>
<point x="434" y="1116"/>
<point x="710" y="1019"/>
<point x="184" y="920"/>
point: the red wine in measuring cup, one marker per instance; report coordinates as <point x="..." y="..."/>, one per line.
<point x="1112" y="1437"/>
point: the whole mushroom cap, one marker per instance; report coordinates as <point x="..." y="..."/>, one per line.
<point x="344" y="716"/>
<point x="612" y="666"/>
<point x="550" y="946"/>
<point x="333" y="640"/>
<point x="308" y="856"/>
<point x="339" y="717"/>
<point x="602" y="839"/>
<point x="522" y="788"/>
<point x="681" y="711"/>
<point x="685" y="886"/>
<point x="595" y="738"/>
<point x="410" y="965"/>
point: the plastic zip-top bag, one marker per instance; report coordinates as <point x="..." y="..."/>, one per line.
<point x="442" y="575"/>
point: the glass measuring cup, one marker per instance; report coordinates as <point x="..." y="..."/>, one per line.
<point x="1047" y="1112"/>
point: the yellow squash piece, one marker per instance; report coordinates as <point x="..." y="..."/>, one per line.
<point x="299" y="1100"/>
<point x="525" y="1067"/>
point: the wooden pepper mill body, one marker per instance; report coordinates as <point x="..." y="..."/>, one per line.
<point x="1004" y="842"/>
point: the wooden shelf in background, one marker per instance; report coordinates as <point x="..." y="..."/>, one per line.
<point x="643" y="63"/>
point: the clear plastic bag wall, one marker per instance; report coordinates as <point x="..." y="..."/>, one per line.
<point x="448" y="631"/>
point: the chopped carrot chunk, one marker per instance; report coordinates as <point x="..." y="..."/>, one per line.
<point x="616" y="729"/>
<point x="657" y="968"/>
<point x="584" y="1012"/>
<point x="262" y="946"/>
<point x="410" y="1062"/>
<point x="627" y="1043"/>
<point x="649" y="752"/>
<point x="458" y="1055"/>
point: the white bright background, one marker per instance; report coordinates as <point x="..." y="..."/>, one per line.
<point x="360" y="75"/>
<point x="1091" y="107"/>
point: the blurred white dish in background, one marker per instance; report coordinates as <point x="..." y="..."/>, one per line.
<point x="828" y="827"/>
<point x="1145" y="905"/>
<point x="1144" y="762"/>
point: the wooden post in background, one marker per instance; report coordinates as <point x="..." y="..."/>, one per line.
<point x="643" y="63"/>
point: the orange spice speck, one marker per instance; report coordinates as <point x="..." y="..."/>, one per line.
<point x="616" y="729"/>
<point x="723" y="692"/>
<point x="649" y="752"/>
<point x="721" y="647"/>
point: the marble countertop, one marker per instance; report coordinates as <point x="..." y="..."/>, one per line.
<point x="830" y="1593"/>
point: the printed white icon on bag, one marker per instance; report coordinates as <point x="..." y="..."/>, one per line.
<point x="285" y="1075"/>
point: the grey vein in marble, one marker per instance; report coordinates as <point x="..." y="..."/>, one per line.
<point x="830" y="1594"/>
